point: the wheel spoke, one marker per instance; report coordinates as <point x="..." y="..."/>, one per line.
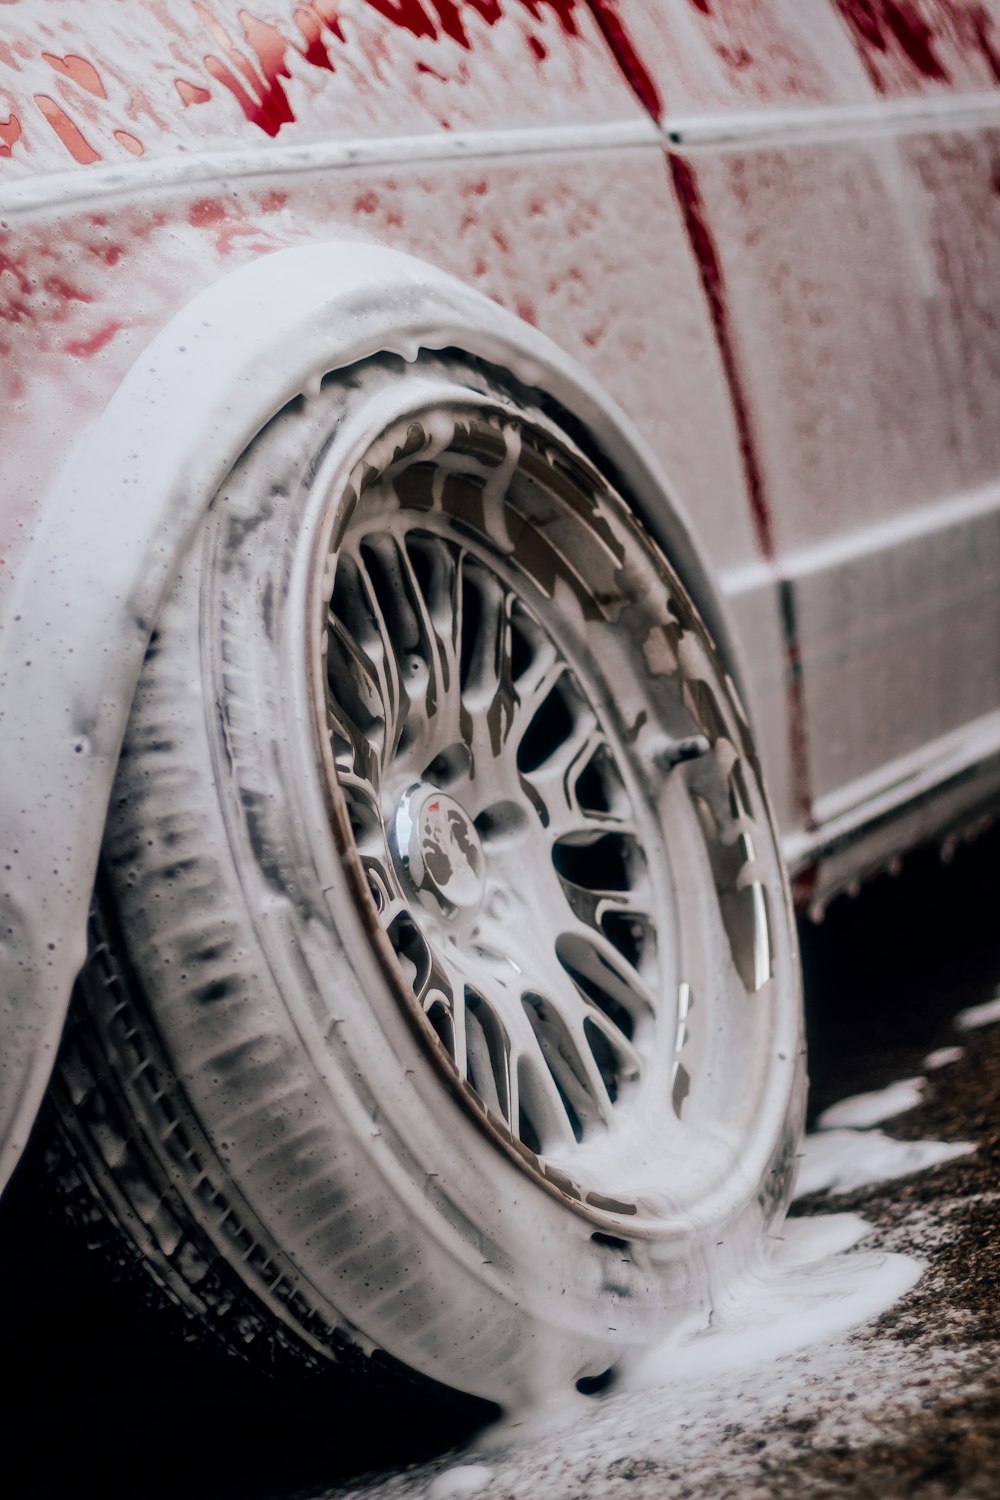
<point x="382" y="653"/>
<point x="438" y="606"/>
<point x="591" y="954"/>
<point x="440" y="676"/>
<point x="591" y="906"/>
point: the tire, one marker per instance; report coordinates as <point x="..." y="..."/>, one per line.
<point x="443" y="1005"/>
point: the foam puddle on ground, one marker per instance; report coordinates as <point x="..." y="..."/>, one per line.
<point x="807" y="1290"/>
<point x="841" y="1161"/>
<point x="811" y="1286"/>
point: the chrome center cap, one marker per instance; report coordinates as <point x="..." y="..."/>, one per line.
<point x="439" y="848"/>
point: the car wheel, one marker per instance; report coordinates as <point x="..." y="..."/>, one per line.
<point x="443" y="1002"/>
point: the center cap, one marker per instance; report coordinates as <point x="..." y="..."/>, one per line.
<point x="439" y="847"/>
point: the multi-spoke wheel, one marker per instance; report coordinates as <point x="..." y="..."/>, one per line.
<point x="444" y="996"/>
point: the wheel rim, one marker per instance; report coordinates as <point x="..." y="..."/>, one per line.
<point x="513" y="822"/>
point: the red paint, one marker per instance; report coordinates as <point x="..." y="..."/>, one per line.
<point x="706" y="256"/>
<point x="206" y="212"/>
<point x="263" y="100"/>
<point x="623" y="51"/>
<point x="709" y="263"/>
<point x="270" y="47"/>
<point x="890" y="27"/>
<point x="191" y="93"/>
<point x="80" y="70"/>
<point x="978" y="31"/>
<point x="84" y="348"/>
<point x="18" y="274"/>
<point x="70" y="135"/>
<point x="10" y="134"/>
<point x="310" y="24"/>
<point x="562" y="9"/>
<point x="803" y="886"/>
<point x="64" y="291"/>
<point x="407" y="14"/>
<point x="255" y="68"/>
<point x="737" y="58"/>
<point x="273" y="201"/>
<point x="109" y="254"/>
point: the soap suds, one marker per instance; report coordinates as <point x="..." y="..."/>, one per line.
<point x="841" y="1161"/>
<point x="862" y="1110"/>
<point x="942" y="1057"/>
<point x="979" y="1015"/>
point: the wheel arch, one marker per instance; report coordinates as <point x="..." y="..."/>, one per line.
<point x="126" y="506"/>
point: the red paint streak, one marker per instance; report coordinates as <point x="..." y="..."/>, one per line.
<point x="407" y="14"/>
<point x="803" y="886"/>
<point x="562" y="9"/>
<point x="273" y="201"/>
<point x="264" y="101"/>
<point x="206" y="212"/>
<point x="80" y="70"/>
<point x="623" y="51"/>
<point x="191" y="93"/>
<point x="270" y="47"/>
<point x="884" y="26"/>
<point x="737" y="58"/>
<point x="109" y="254"/>
<point x="977" y="30"/>
<point x="10" y="134"/>
<point x="11" y="268"/>
<point x="72" y="138"/>
<point x="255" y="67"/>
<point x="709" y="265"/>
<point x="65" y="291"/>
<point x="130" y="142"/>
<point x="84" y="348"/>
<point x="310" y="24"/>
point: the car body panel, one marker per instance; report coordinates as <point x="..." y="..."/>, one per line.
<point x="767" y="230"/>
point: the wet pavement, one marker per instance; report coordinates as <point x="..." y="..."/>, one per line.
<point x="114" y="1398"/>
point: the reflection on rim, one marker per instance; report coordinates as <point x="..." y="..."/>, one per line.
<point x="508" y="812"/>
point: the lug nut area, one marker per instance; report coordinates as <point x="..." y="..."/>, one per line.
<point x="438" y="850"/>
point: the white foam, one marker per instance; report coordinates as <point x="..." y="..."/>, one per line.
<point x="841" y="1160"/>
<point x="870" y="1109"/>
<point x="979" y="1015"/>
<point x="464" y="1479"/>
<point x="808" y="1290"/>
<point x="942" y="1057"/>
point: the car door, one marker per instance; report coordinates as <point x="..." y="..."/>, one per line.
<point x="837" y="165"/>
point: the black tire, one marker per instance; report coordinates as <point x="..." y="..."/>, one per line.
<point x="282" y="1134"/>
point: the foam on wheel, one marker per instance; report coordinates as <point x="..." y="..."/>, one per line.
<point x="454" y="998"/>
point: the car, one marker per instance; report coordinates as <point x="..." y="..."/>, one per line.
<point x="501" y="508"/>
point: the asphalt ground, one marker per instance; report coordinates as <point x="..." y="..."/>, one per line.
<point x="109" y="1395"/>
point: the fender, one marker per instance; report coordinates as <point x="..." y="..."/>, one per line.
<point x="115" y="527"/>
